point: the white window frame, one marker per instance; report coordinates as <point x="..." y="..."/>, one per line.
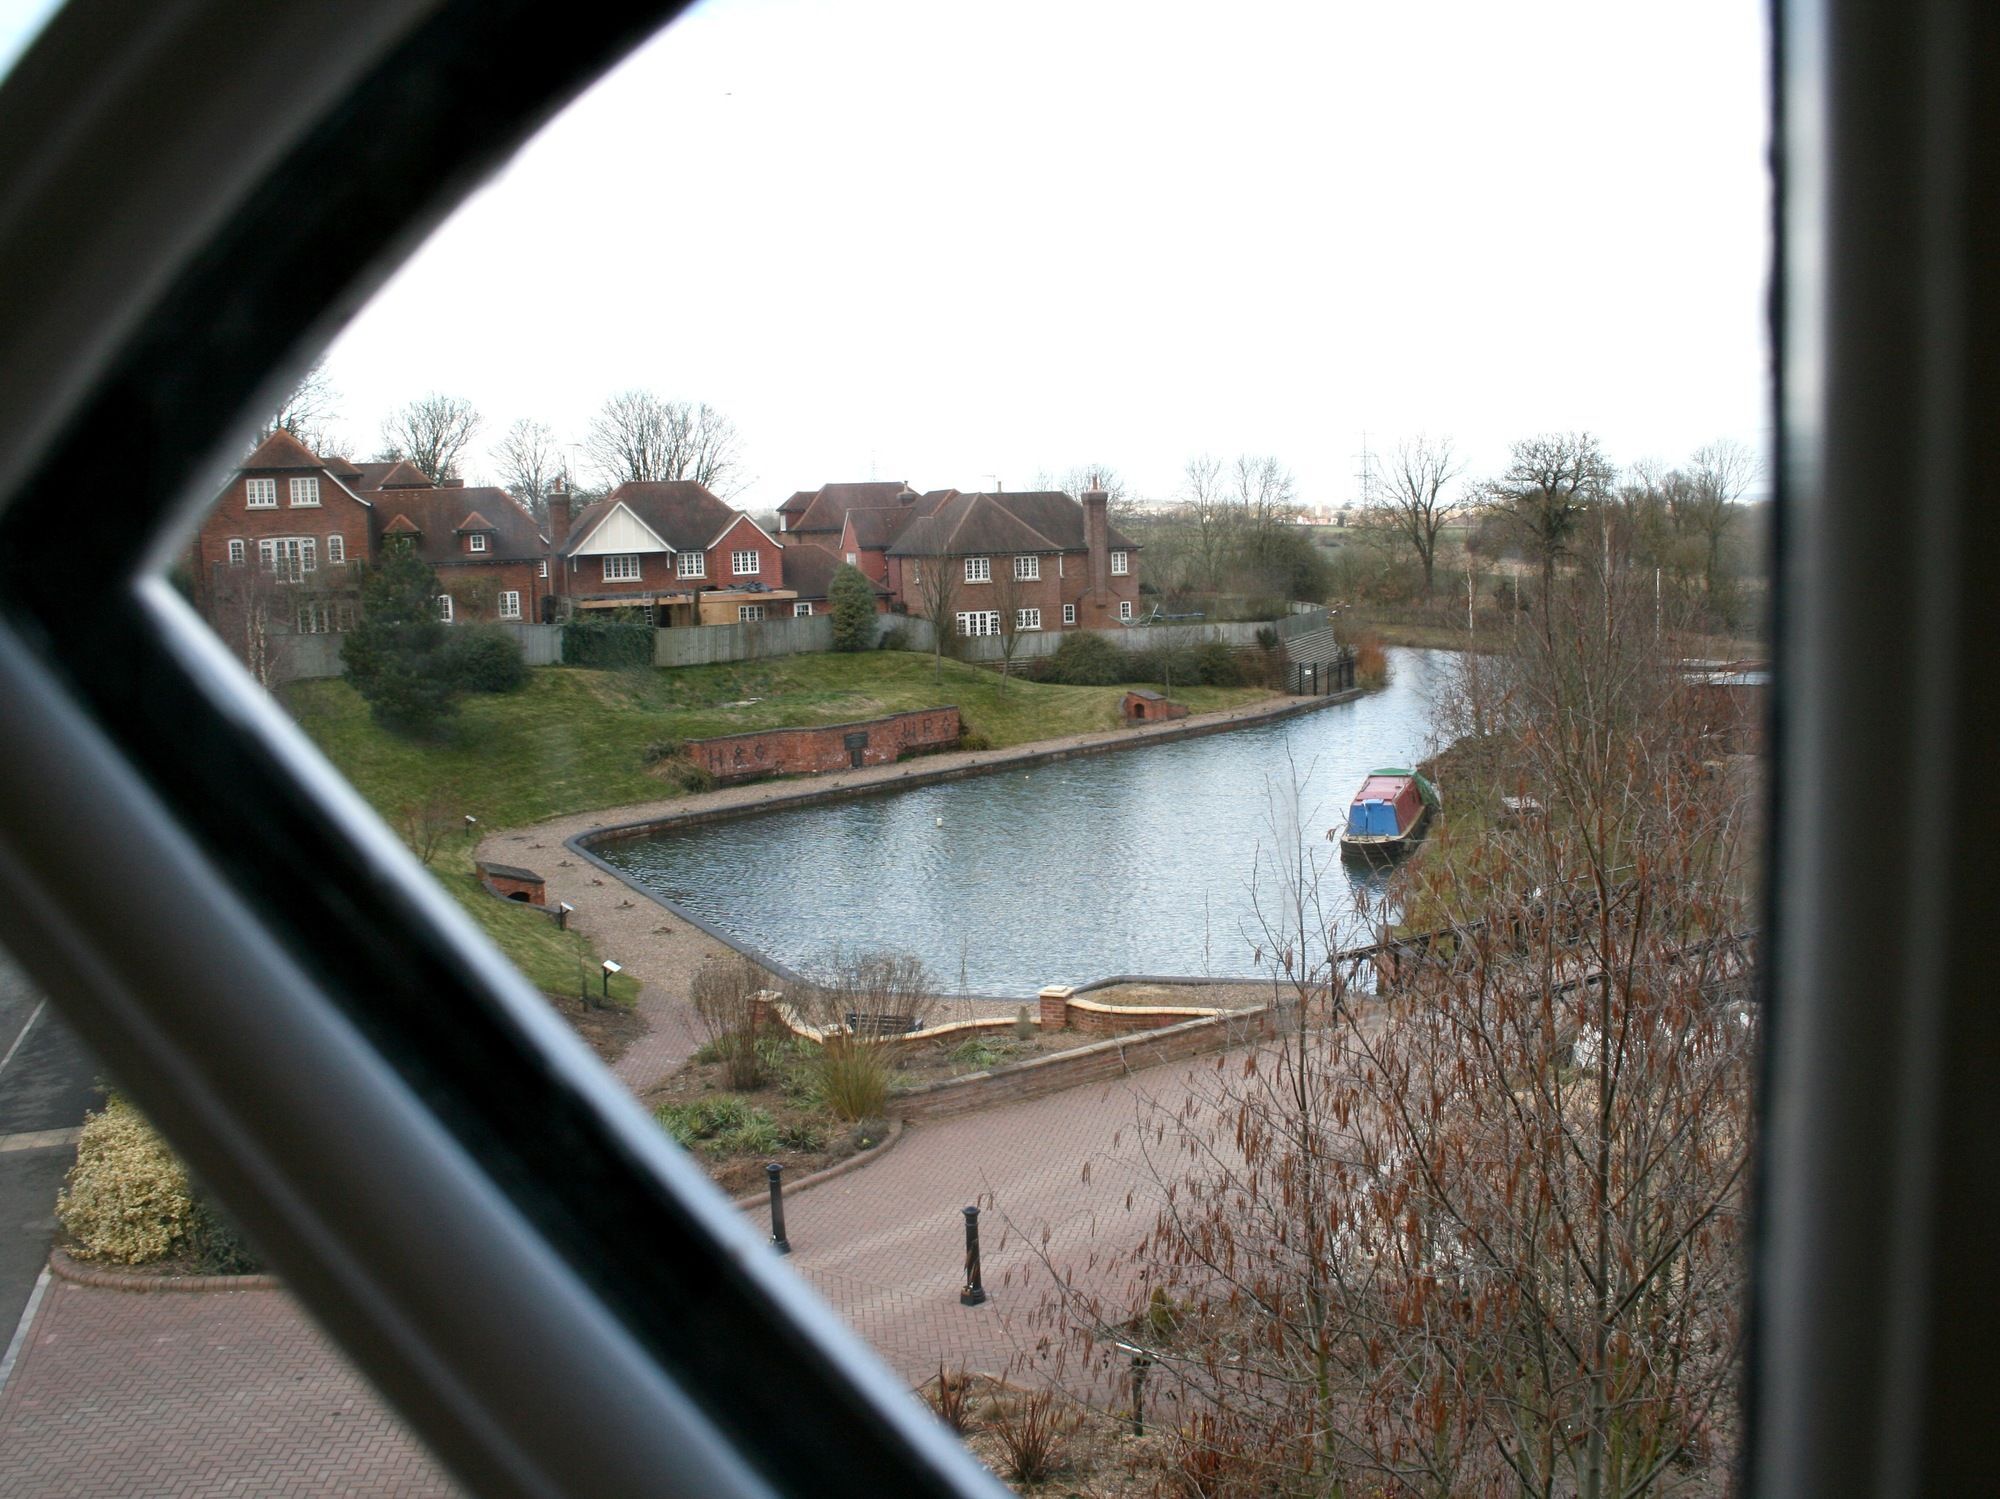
<point x="979" y="569"/>
<point x="336" y="550"/>
<point x="749" y="614"/>
<point x="1027" y="619"/>
<point x="1069" y="614"/>
<point x="853" y="559"/>
<point x="305" y="494"/>
<point x="743" y="564"/>
<point x="973" y="623"/>
<point x="476" y="541"/>
<point x="237" y="551"/>
<point x="444" y="608"/>
<point x="616" y="569"/>
<point x="510" y="603"/>
<point x="315" y="619"/>
<point x="260" y="494"/>
<point x="691" y="565"/>
<point x="802" y="609"/>
<point x="1121" y="564"/>
<point x="542" y="568"/>
<point x="1124" y="608"/>
<point x="288" y="558"/>
<point x="1027" y="568"/>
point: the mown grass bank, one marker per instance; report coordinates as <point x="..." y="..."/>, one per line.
<point x="574" y="740"/>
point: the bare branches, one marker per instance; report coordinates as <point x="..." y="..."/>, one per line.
<point x="1413" y="502"/>
<point x="308" y="412"/>
<point x="431" y="432"/>
<point x="637" y="437"/>
<point x="530" y="462"/>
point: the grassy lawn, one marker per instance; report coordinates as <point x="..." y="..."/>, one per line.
<point x="575" y="740"/>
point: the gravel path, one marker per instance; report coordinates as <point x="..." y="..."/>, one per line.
<point x="662" y="951"/>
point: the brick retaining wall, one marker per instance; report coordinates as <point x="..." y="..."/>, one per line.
<point x="880" y="741"/>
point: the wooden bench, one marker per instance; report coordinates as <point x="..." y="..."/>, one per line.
<point x="880" y="1025"/>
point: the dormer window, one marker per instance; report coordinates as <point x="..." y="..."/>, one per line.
<point x="476" y="542"/>
<point x="260" y="494"/>
<point x="691" y="565"/>
<point x="305" y="492"/>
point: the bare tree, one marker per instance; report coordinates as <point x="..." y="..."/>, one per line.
<point x="1411" y="496"/>
<point x="432" y="432"/>
<point x="934" y="577"/>
<point x="637" y="437"/>
<point x="1265" y="494"/>
<point x="1550" y="482"/>
<point x="1211" y="520"/>
<point x="1008" y="599"/>
<point x="308" y="412"/>
<point x="723" y="992"/>
<point x="1718" y="478"/>
<point x="860" y="1002"/>
<point x="530" y="462"/>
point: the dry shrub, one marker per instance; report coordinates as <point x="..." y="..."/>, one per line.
<point x="1030" y="1429"/>
<point x="855" y="1063"/>
<point x="951" y="1399"/>
<point x="128" y="1200"/>
<point x="723" y="994"/>
<point x="854" y="1077"/>
<point x="1371" y="662"/>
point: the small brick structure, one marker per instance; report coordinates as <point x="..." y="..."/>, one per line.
<point x="841" y="746"/>
<point x="1145" y="706"/>
<point x="511" y="882"/>
<point x="1061" y="1010"/>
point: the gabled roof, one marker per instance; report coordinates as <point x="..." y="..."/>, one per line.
<point x="281" y="450"/>
<point x="367" y="476"/>
<point x="809" y="571"/>
<point x="403" y="474"/>
<point x="742" y="516"/>
<point x="875" y="529"/>
<point x="973" y="525"/>
<point x="799" y="500"/>
<point x="440" y="516"/>
<point x="826" y="508"/>
<point x="679" y="512"/>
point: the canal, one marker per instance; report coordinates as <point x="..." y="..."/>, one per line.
<point x="1148" y="861"/>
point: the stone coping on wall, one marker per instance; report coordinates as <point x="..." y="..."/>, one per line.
<point x="115" y="1278"/>
<point x="886" y="779"/>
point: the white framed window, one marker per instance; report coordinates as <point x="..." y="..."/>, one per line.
<point x="444" y="607"/>
<point x="305" y="492"/>
<point x="852" y="559"/>
<point x="1028" y="569"/>
<point x="749" y="614"/>
<point x="510" y="603"/>
<point x="1069" y="614"/>
<point x="260" y="494"/>
<point x="979" y="622"/>
<point x="288" y="558"/>
<point x="476" y="542"/>
<point x="743" y="564"/>
<point x="315" y="619"/>
<point x="236" y="551"/>
<point x="336" y="550"/>
<point x="1027" y="619"/>
<point x="542" y="569"/>
<point x="1121" y="564"/>
<point x="978" y="569"/>
<point x="802" y="609"/>
<point x="916" y="574"/>
<point x="622" y="568"/>
<point x="691" y="565"/>
<point x="1124" y="608"/>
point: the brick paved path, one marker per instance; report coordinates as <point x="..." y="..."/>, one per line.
<point x="194" y="1394"/>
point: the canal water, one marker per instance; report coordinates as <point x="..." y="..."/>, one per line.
<point x="1161" y="860"/>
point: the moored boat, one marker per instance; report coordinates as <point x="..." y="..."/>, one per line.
<point x="1388" y="815"/>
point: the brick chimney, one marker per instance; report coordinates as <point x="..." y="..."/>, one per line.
<point x="558" y="503"/>
<point x="1097" y="537"/>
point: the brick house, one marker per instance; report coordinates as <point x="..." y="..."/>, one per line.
<point x="817" y="514"/>
<point x="491" y="556"/>
<point x="1050" y="561"/>
<point x="809" y="573"/>
<point x="673" y="550"/>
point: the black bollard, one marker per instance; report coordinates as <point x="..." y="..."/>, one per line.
<point x="778" y="1240"/>
<point x="973" y="1293"/>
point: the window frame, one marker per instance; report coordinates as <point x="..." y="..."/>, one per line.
<point x="446" y="609"/>
<point x="698" y="570"/>
<point x="974" y="624"/>
<point x="1124" y="608"/>
<point x="749" y="614"/>
<point x="1069" y="614"/>
<point x="237" y="552"/>
<point x="1027" y="568"/>
<point x="737" y="562"/>
<point x="475" y="541"/>
<point x="307" y="485"/>
<point x="802" y="609"/>
<point x="1121" y="563"/>
<point x="636" y="575"/>
<point x="260" y="494"/>
<point x="979" y="569"/>
<point x="1027" y="619"/>
<point x="336" y="549"/>
<point x="503" y="609"/>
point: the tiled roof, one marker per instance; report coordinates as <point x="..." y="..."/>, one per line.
<point x="875" y="529"/>
<point x="797" y="502"/>
<point x="402" y="525"/>
<point x="441" y="516"/>
<point x="827" y="507"/>
<point x="367" y="476"/>
<point x="475" y="522"/>
<point x="281" y="450"/>
<point x="684" y="515"/>
<point x="810" y="570"/>
<point x="999" y="524"/>
<point x="403" y="474"/>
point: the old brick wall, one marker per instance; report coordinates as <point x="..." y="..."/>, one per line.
<point x="881" y="741"/>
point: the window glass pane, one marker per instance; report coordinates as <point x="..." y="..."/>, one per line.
<point x="1524" y="481"/>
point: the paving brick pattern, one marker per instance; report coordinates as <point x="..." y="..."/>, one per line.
<point x="185" y="1395"/>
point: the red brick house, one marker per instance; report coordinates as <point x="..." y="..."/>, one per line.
<point x="1042" y="558"/>
<point x="490" y="554"/>
<point x="809" y="573"/>
<point x="817" y="514"/>
<point x="673" y="550"/>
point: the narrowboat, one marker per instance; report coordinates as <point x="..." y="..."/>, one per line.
<point x="1388" y="814"/>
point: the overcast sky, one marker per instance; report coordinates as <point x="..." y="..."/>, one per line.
<point x="952" y="243"/>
